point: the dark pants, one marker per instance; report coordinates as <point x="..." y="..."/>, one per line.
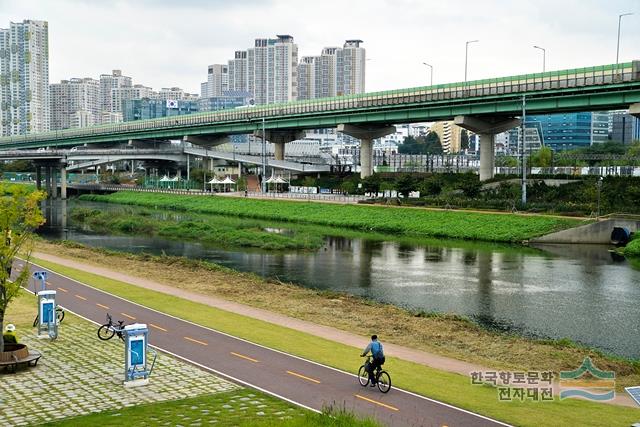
<point x="375" y="364"/>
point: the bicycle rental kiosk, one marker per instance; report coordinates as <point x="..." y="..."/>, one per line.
<point x="47" y="320"/>
<point x="135" y="355"/>
<point x="47" y="316"/>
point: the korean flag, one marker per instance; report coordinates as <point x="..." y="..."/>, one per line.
<point x="172" y="103"/>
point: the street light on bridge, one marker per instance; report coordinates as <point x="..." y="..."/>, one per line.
<point x="431" y="68"/>
<point x="466" y="57"/>
<point x="544" y="57"/>
<point x="618" y="45"/>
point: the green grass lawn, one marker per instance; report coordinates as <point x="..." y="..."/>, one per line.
<point x="402" y="221"/>
<point x="448" y="387"/>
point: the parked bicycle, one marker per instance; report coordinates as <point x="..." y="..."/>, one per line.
<point x="383" y="379"/>
<point x="59" y="316"/>
<point x="109" y="329"/>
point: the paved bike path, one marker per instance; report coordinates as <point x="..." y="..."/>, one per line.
<point x="300" y="381"/>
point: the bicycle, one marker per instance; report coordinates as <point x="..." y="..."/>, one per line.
<point x="59" y="316"/>
<point x="109" y="329"/>
<point x="383" y="379"/>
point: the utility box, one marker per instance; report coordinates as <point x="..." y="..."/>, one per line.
<point x="47" y="319"/>
<point x="135" y="355"/>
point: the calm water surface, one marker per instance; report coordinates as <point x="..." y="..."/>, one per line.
<point x="554" y="291"/>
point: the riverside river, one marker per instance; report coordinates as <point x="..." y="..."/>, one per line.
<point x="578" y="292"/>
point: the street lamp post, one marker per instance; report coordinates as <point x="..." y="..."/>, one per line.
<point x="618" y="45"/>
<point x="466" y="57"/>
<point x="264" y="154"/>
<point x="599" y="184"/>
<point x="544" y="58"/>
<point x="431" y="74"/>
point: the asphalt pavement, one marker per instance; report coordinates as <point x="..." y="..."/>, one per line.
<point x="292" y="378"/>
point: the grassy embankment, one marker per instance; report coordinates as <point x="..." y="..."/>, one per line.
<point x="632" y="250"/>
<point x="220" y="230"/>
<point x="414" y="222"/>
<point x="396" y="325"/>
<point x="21" y="313"/>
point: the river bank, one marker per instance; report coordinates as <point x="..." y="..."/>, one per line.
<point x="446" y="335"/>
<point x="416" y="222"/>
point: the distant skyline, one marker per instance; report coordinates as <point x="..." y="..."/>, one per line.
<point x="163" y="43"/>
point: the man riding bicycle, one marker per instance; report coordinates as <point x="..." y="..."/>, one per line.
<point x="375" y="347"/>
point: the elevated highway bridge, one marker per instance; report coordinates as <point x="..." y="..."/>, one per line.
<point x="486" y="107"/>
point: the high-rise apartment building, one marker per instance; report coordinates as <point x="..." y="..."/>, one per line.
<point x="121" y="94"/>
<point x="450" y="136"/>
<point x="272" y="70"/>
<point x="351" y="63"/>
<point x="24" y="78"/>
<point x="75" y="103"/>
<point x="238" y="72"/>
<point x="336" y="72"/>
<point x="115" y="80"/>
<point x="217" y="81"/>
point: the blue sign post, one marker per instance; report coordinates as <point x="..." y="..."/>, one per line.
<point x="135" y="355"/>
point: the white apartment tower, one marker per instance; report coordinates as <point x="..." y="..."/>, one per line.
<point x="238" y="72"/>
<point x="351" y="68"/>
<point x="75" y="103"/>
<point x="336" y="72"/>
<point x="24" y="78"/>
<point x="121" y="94"/>
<point x="115" y="80"/>
<point x="272" y="70"/>
<point x="217" y="81"/>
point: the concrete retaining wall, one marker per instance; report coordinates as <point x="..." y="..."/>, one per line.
<point x="595" y="233"/>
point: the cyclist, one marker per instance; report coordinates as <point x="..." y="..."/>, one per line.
<point x="375" y="347"/>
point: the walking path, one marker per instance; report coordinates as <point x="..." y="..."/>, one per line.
<point x="412" y="355"/>
<point x="288" y="377"/>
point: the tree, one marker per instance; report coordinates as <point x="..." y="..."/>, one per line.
<point x="371" y="184"/>
<point x="405" y="184"/>
<point x="542" y="158"/>
<point x="19" y="216"/>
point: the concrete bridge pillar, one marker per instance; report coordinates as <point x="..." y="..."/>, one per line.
<point x="63" y="183"/>
<point x="279" y="138"/>
<point x="54" y="182"/>
<point x="634" y="110"/>
<point x="487" y="127"/>
<point x="366" y="135"/>
<point x="38" y="177"/>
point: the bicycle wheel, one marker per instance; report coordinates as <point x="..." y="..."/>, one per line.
<point x="384" y="382"/>
<point x="363" y="376"/>
<point x="105" y="332"/>
<point x="60" y="315"/>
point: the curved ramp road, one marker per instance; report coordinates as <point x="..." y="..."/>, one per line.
<point x="299" y="381"/>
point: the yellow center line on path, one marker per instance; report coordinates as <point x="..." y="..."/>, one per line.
<point x="102" y="306"/>
<point x="62" y="289"/>
<point x="157" y="327"/>
<point x="393" y="408"/>
<point x="80" y="297"/>
<point x="128" y="315"/>
<point x="195" y="341"/>
<point x="295" y="374"/>
<point x="242" y="356"/>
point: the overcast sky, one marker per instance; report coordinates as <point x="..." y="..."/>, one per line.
<point x="162" y="43"/>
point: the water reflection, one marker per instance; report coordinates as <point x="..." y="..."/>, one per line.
<point x="553" y="291"/>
